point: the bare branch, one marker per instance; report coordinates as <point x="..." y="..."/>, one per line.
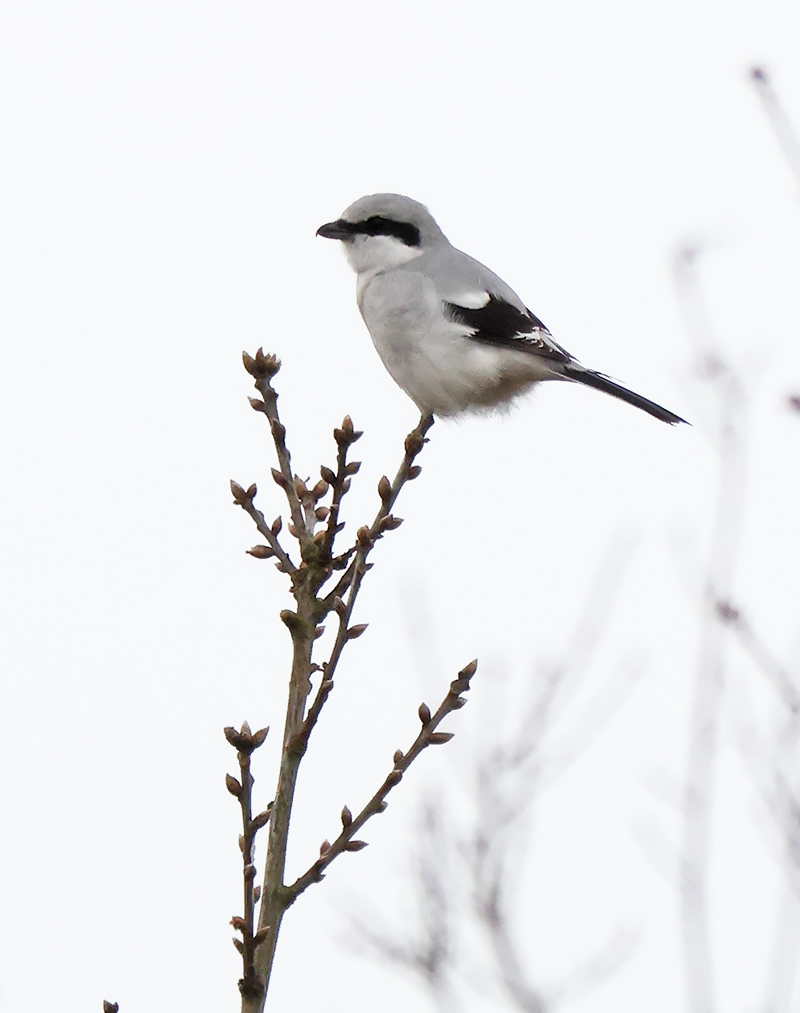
<point x="367" y="537"/>
<point x="339" y="480"/>
<point x="776" y="673"/>
<point x="350" y="584"/>
<point x="245" y="501"/>
<point x="427" y="736"/>
<point x="317" y="566"/>
<point x="782" y="126"/>
<point x="246" y="742"/>
<point x="262" y="368"/>
<point x="728" y="522"/>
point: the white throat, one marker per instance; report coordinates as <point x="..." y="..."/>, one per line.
<point x="378" y="253"/>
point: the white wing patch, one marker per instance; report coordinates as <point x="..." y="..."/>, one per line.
<point x="471" y="300"/>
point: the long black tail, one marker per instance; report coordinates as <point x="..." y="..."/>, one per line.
<point x="573" y="371"/>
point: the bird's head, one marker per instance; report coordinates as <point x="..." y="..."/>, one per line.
<point x="384" y="230"/>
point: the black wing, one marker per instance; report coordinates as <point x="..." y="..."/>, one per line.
<point x="500" y="323"/>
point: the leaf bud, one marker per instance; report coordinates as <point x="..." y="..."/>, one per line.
<point x="232" y="736"/>
<point x="260" y="552"/>
<point x="355" y="845"/>
<point x="289" y="619"/>
<point x="260" y="736"/>
<point x="385" y="489"/>
<point x="262" y="819"/>
<point x="266" y="364"/>
<point x="414" y="443"/>
<point x="239" y="495"/>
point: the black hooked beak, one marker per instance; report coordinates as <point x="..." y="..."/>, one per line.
<point x="339" y="229"/>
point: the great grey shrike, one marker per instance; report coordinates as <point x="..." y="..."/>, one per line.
<point x="451" y="333"/>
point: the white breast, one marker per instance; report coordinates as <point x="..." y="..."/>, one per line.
<point x="431" y="357"/>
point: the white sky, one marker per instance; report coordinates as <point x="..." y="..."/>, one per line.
<point x="166" y="165"/>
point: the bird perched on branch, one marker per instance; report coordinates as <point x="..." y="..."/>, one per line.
<point x="451" y="333"/>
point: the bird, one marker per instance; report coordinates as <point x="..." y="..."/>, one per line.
<point x="452" y="334"/>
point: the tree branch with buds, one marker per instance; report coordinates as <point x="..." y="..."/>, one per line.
<point x="322" y="581"/>
<point x="428" y="736"/>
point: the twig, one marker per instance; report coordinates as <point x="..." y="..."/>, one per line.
<point x="781" y="124"/>
<point x="388" y="491"/>
<point x="246" y="742"/>
<point x="339" y="480"/>
<point x="765" y="661"/>
<point x="350" y="584"/>
<point x="710" y="675"/>
<point x="262" y="368"/>
<point x="513" y="973"/>
<point x="428" y="736"/>
<point x="244" y="499"/>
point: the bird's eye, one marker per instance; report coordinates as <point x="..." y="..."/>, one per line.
<point x="377" y="225"/>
